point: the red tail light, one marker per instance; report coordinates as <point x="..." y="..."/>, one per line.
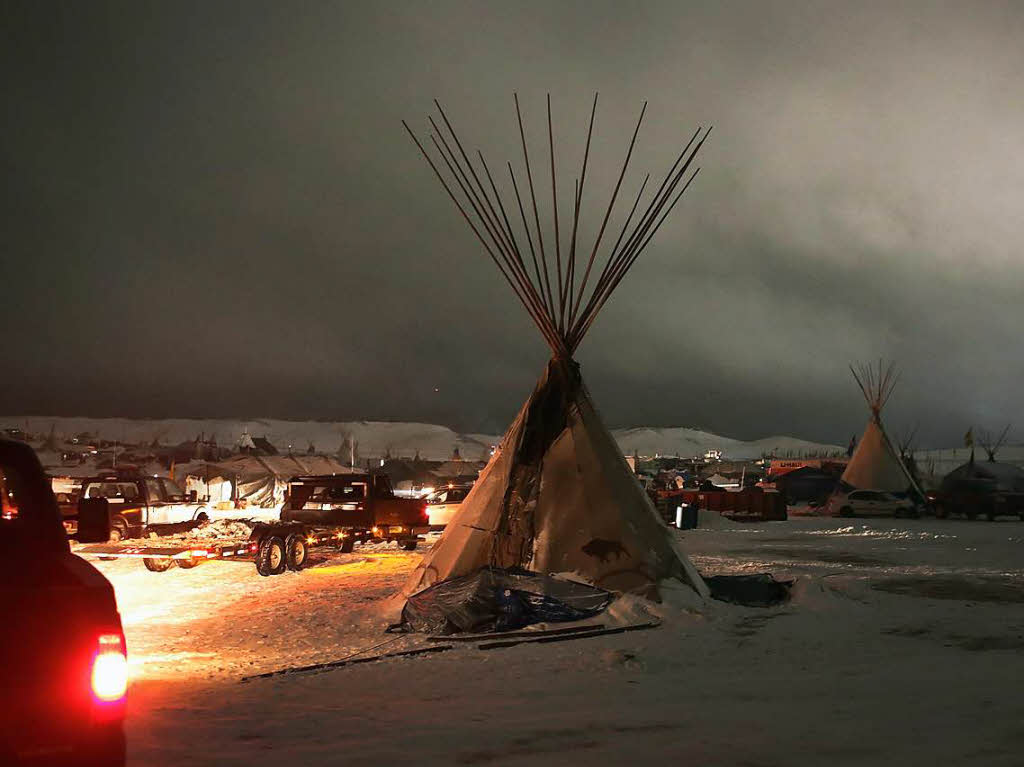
<point x="109" y="669"/>
<point x="425" y="514"/>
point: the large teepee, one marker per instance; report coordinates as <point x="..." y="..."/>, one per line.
<point x="875" y="464"/>
<point x="557" y="495"/>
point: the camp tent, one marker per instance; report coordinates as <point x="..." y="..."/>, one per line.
<point x="1000" y="477"/>
<point x="557" y="495"/>
<point x="875" y="463"/>
<point x="258" y="480"/>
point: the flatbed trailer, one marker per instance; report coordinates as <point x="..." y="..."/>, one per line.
<point x="273" y="546"/>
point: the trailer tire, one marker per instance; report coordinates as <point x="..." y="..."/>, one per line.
<point x="118" y="528"/>
<point x="846" y="511"/>
<point x="347" y="544"/>
<point x="158" y="564"/>
<point x="188" y="564"/>
<point x="296" y="552"/>
<point x="410" y="545"/>
<point x="940" y="511"/>
<point x="270" y="559"/>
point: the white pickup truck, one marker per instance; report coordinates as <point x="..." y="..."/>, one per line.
<point x="138" y="504"/>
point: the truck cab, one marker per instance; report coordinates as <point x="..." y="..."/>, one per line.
<point x="357" y="502"/>
<point x="65" y="669"/>
<point x="140" y="504"/>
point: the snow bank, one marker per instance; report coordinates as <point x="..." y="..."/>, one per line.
<point x="686" y="442"/>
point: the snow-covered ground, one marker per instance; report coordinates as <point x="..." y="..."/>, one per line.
<point x="903" y="644"/>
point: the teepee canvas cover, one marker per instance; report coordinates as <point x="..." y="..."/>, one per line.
<point x="557" y="496"/>
<point x="875" y="464"/>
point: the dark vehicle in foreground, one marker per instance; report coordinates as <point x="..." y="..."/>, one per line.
<point x="64" y="679"/>
<point x="358" y="502"/>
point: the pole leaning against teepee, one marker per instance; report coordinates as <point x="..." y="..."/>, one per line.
<point x="557" y="495"/>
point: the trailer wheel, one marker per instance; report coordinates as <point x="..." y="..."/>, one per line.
<point x="118" y="532"/>
<point x="188" y="564"/>
<point x="296" y="551"/>
<point x="940" y="511"/>
<point x="158" y="564"/>
<point x="118" y="528"/>
<point x="846" y="511"/>
<point x="410" y="545"/>
<point x="270" y="559"/>
<point x="347" y="544"/>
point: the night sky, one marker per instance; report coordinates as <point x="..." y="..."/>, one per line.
<point x="212" y="209"/>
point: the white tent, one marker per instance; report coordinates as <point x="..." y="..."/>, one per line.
<point x="875" y="464"/>
<point x="259" y="480"/>
<point x="557" y="496"/>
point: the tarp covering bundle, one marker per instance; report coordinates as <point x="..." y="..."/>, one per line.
<point x="492" y="599"/>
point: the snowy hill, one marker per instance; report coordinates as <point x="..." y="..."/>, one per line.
<point x="375" y="438"/>
<point x="688" y="442"/>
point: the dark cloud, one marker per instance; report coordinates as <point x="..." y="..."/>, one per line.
<point x="211" y="209"/>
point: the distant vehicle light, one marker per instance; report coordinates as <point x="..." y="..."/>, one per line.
<point x="109" y="669"/>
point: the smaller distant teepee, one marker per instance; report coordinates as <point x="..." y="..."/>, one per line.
<point x="875" y="464"/>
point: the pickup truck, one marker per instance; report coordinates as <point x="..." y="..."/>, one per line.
<point x="65" y="669"/>
<point x="138" y="504"/>
<point x="359" y="502"/>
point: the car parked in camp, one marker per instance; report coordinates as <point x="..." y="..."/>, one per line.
<point x="65" y="672"/>
<point x="869" y="503"/>
<point x="442" y="504"/>
<point x="137" y="505"/>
